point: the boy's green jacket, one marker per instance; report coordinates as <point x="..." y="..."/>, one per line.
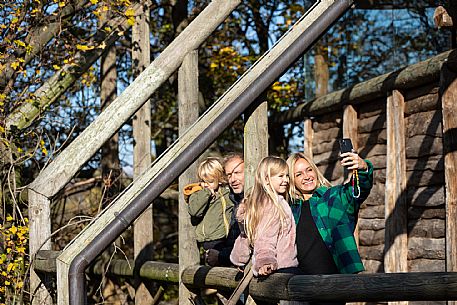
<point x="215" y="213"/>
<point x="335" y="212"/>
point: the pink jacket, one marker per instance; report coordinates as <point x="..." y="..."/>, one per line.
<point x="272" y="245"/>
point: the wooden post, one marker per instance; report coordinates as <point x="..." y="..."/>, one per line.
<point x="448" y="98"/>
<point x="321" y="74"/>
<point x="143" y="227"/>
<point x="188" y="114"/>
<point x="255" y="142"/>
<point x="396" y="238"/>
<point x="308" y="134"/>
<point x="350" y="124"/>
<point x="40" y="230"/>
<point x="350" y="127"/>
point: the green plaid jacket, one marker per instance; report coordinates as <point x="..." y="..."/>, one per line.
<point x="335" y="212"/>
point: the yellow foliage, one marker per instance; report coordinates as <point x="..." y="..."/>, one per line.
<point x="56" y="67"/>
<point x="13" y="229"/>
<point x="13" y="261"/>
<point x="19" y="43"/>
<point x="130" y="12"/>
<point x="15" y="65"/>
<point x="131" y="21"/>
<point x="94" y="1"/>
<point x="61" y="4"/>
<point x="84" y="48"/>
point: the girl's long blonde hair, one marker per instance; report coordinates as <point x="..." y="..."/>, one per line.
<point x="263" y="193"/>
<point x="293" y="158"/>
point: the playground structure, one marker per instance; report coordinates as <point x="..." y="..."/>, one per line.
<point x="389" y="134"/>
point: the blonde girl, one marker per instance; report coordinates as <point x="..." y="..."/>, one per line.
<point x="270" y="228"/>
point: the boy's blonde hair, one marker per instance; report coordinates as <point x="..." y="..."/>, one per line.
<point x="210" y="170"/>
<point x="293" y="158"/>
<point x="262" y="193"/>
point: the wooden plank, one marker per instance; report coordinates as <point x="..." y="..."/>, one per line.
<point x="396" y="215"/>
<point x="208" y="123"/>
<point x="188" y="114"/>
<point x="59" y="172"/>
<point x="142" y="158"/>
<point x="350" y="124"/>
<point x="40" y="239"/>
<point x="416" y="75"/>
<point x="255" y="142"/>
<point x="449" y="96"/>
<point x="308" y="134"/>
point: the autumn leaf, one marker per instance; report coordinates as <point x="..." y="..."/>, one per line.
<point x="84" y="48"/>
<point x="15" y="65"/>
<point x="13" y="229"/>
<point x="130" y="12"/>
<point x="94" y="1"/>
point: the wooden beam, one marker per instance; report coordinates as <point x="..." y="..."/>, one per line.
<point x="188" y="114"/>
<point x="308" y="134"/>
<point x="143" y="228"/>
<point x="396" y="237"/>
<point x="448" y="99"/>
<point x="425" y="72"/>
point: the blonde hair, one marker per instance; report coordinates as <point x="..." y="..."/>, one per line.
<point x="210" y="170"/>
<point x="321" y="181"/>
<point x="263" y="193"/>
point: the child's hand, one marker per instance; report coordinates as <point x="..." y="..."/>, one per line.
<point x="266" y="269"/>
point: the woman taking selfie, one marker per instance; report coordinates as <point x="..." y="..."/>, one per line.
<point x="326" y="215"/>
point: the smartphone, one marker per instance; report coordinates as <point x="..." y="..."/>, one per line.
<point x="345" y="145"/>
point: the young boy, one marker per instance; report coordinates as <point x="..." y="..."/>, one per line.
<point x="209" y="203"/>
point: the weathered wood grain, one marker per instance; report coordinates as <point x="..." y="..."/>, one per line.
<point x="449" y="97"/>
<point x="188" y="114"/>
<point x="396" y="237"/>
